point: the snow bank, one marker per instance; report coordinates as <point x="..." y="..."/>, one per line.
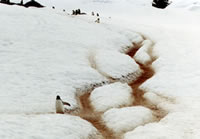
<point x="111" y="96"/>
<point x="176" y="125"/>
<point x="124" y="69"/>
<point x="142" y="56"/>
<point x="126" y="119"/>
<point x="44" y="53"/>
<point x="153" y="131"/>
<point x="49" y="126"/>
<point x="153" y="98"/>
<point x="134" y="37"/>
<point x="193" y="5"/>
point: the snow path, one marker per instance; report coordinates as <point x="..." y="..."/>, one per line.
<point x="88" y="113"/>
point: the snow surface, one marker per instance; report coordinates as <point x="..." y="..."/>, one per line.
<point x="42" y="126"/>
<point x="126" y="119"/>
<point x="106" y="64"/>
<point x="151" y="132"/>
<point x="143" y="55"/>
<point x="45" y="53"/>
<point x="111" y="96"/>
<point x="44" y="58"/>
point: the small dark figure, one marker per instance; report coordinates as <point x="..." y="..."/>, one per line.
<point x="53" y="7"/>
<point x="78" y="11"/>
<point x="73" y="12"/>
<point x="92" y="13"/>
<point x="97" y="14"/>
<point x="98" y="20"/>
<point x="60" y="105"/>
<point x="63" y="10"/>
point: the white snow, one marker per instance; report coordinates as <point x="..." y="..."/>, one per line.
<point x="106" y="64"/>
<point x="42" y="126"/>
<point x="45" y="52"/>
<point x="143" y="56"/>
<point x="192" y="5"/>
<point x="111" y="96"/>
<point x="153" y="131"/>
<point x="126" y="119"/>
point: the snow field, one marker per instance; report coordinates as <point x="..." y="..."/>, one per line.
<point x="177" y="72"/>
<point x="133" y="36"/>
<point x="153" y="131"/>
<point x="125" y="66"/>
<point x="37" y="65"/>
<point x="142" y="56"/>
<point x="192" y="5"/>
<point x="159" y="101"/>
<point x="125" y="119"/>
<point x="45" y="126"/>
<point x="111" y="96"/>
<point x="44" y="54"/>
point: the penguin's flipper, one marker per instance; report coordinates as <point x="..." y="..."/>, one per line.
<point x="66" y="103"/>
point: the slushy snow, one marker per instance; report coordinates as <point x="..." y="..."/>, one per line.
<point x="111" y="96"/>
<point x="126" y="119"/>
<point x="45" y="126"/>
<point x="143" y="55"/>
<point x="117" y="70"/>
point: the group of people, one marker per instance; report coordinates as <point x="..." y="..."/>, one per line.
<point x="77" y="12"/>
<point x="93" y="14"/>
<point x="98" y="19"/>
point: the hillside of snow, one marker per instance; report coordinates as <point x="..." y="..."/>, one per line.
<point x="46" y="52"/>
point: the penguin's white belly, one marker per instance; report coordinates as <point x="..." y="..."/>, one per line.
<point x="59" y="106"/>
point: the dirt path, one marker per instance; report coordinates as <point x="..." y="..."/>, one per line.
<point x="148" y="72"/>
<point x="88" y="113"/>
<point x="94" y="117"/>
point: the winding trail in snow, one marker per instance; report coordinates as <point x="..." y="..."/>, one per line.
<point x="148" y="72"/>
<point x="88" y="113"/>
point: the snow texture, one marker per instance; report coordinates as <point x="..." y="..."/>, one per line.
<point x="49" y="56"/>
<point x="46" y="126"/>
<point x="126" y="119"/>
<point x="143" y="56"/>
<point x="118" y="70"/>
<point x="44" y="52"/>
<point x="111" y="96"/>
<point x="150" y="131"/>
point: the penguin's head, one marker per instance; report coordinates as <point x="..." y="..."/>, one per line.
<point x="57" y="97"/>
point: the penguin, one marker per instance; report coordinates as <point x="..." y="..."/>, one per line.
<point x="98" y="20"/>
<point x="60" y="105"/>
